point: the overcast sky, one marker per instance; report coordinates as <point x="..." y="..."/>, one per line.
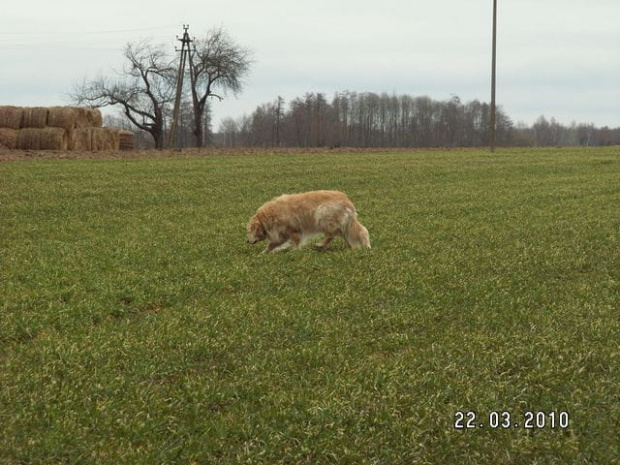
<point x="558" y="58"/>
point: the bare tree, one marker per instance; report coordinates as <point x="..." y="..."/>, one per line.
<point x="144" y="88"/>
<point x="229" y="129"/>
<point x="219" y="65"/>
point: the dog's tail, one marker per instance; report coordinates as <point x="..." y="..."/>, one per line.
<point x="355" y="234"/>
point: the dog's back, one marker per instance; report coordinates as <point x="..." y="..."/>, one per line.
<point x="314" y="199"/>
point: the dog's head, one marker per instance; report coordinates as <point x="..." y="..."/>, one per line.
<point x="256" y="231"/>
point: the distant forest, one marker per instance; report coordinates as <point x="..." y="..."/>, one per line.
<point x="353" y="119"/>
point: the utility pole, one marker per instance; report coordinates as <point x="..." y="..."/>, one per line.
<point x="493" y="66"/>
<point x="279" y="104"/>
<point x="186" y="55"/>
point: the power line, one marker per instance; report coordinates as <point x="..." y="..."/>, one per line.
<point x="78" y="33"/>
<point x="49" y="39"/>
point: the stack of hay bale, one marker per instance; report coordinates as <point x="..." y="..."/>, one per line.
<point x="126" y="140"/>
<point x="57" y="128"/>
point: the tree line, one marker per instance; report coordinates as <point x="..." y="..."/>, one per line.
<point x="368" y="119"/>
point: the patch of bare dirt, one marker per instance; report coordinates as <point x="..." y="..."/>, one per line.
<point x="21" y="155"/>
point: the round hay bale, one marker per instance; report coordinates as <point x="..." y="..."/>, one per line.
<point x="62" y="117"/>
<point x="11" y="117"/>
<point x="81" y="139"/>
<point x="34" y="117"/>
<point x="95" y="117"/>
<point x="97" y="139"/>
<point x="29" y="139"/>
<point x="88" y="117"/>
<point x="8" y="138"/>
<point x="126" y="140"/>
<point x="42" y="139"/>
<point x="54" y="139"/>
<point x="105" y="139"/>
<point x="112" y="139"/>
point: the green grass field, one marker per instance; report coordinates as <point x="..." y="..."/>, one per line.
<point x="137" y="326"/>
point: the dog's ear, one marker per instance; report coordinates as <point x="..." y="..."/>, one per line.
<point x="261" y="230"/>
<point x="257" y="228"/>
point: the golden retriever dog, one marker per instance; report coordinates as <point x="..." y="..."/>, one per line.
<point x="292" y="219"/>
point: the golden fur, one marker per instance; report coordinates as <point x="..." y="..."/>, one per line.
<point x="294" y="218"/>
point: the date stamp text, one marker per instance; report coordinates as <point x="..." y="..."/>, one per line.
<point x="469" y="420"/>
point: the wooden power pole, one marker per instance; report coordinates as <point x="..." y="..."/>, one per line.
<point x="186" y="55"/>
<point x="493" y="66"/>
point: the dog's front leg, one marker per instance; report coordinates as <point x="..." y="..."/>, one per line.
<point x="296" y="239"/>
<point x="273" y="245"/>
<point x="326" y="242"/>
